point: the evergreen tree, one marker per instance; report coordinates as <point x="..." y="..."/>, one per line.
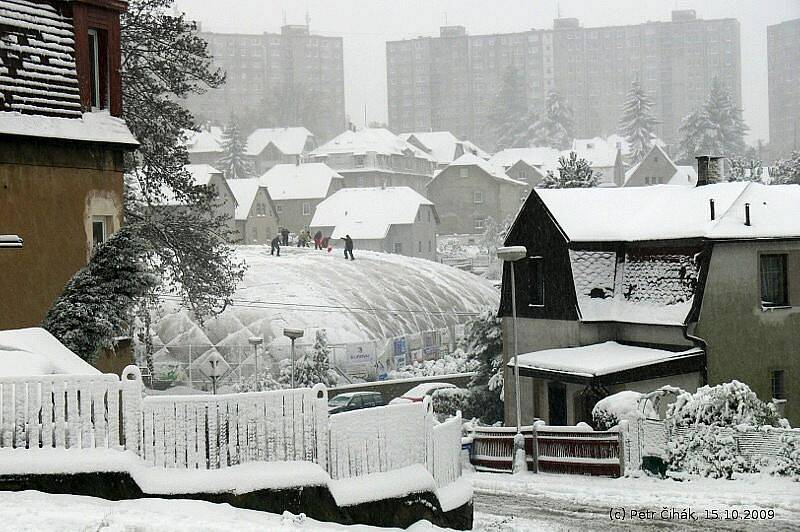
<point x="638" y="122"/>
<point x="787" y="171"/>
<point x="716" y="128"/>
<point x="572" y="173"/>
<point x="96" y="303"/>
<point x="314" y="367"/>
<point x="744" y="169"/>
<point x="234" y="162"/>
<point x="163" y="61"/>
<point x="555" y="128"/>
<point x="484" y="347"/>
<point x="511" y="120"/>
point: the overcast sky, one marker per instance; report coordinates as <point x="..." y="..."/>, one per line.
<point x="366" y="25"/>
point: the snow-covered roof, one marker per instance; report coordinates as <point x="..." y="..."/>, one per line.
<point x="202" y="173"/>
<point x="596" y="360"/>
<point x="540" y="157"/>
<point x="368" y="213"/>
<point x="664" y="212"/>
<point x="362" y="141"/>
<point x="684" y="175"/>
<point x="299" y="181"/>
<point x="245" y="192"/>
<point x="204" y="141"/>
<point x="469" y="159"/>
<point x="442" y="145"/>
<point x="90" y="127"/>
<point x="600" y="152"/>
<point x="289" y="140"/>
<point x="35" y="351"/>
<point x="37" y="60"/>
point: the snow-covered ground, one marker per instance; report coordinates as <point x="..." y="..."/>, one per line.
<point x="569" y="502"/>
<point x="36" y="511"/>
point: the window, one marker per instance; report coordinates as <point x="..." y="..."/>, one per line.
<point x="99" y="230"/>
<point x="419" y="246"/>
<point x="306" y="208"/>
<point x="536" y="281"/>
<point x="97" y="70"/>
<point x="479" y="222"/>
<point x="774" y="286"/>
<point x="430" y="247"/>
<point x="477" y="197"/>
<point x="463" y="172"/>
<point x="359" y="161"/>
<point x="779" y="384"/>
<point x="398" y="247"/>
<point x="279" y="209"/>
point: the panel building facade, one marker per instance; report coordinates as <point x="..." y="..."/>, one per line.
<point x="305" y="70"/>
<point x="783" y="51"/>
<point x="451" y="82"/>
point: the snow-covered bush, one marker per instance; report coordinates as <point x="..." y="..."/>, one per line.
<point x="312" y="368"/>
<point x="706" y="451"/>
<point x="788" y="461"/>
<point x="624" y="405"/>
<point x="262" y="381"/>
<point x="725" y="405"/>
<point x="448" y="401"/>
<point x="484" y="345"/>
<point x="449" y="364"/>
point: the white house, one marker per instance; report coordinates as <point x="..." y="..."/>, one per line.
<point x="443" y="146"/>
<point x="390" y="219"/>
<point x="270" y="146"/>
<point x="256" y="218"/>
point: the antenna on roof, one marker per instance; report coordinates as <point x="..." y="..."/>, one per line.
<point x="558" y="9"/>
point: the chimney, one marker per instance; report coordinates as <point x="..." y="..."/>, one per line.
<point x="709" y="170"/>
<point x="711" y="208"/>
<point x="746" y="214"/>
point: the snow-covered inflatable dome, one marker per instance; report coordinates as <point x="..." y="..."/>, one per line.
<point x="378" y="311"/>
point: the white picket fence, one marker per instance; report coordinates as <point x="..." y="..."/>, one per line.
<point x="218" y="431"/>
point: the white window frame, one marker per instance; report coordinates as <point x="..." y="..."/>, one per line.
<point x="480" y="223"/>
<point x="94" y="59"/>
<point x="477" y="197"/>
<point x="306" y="208"/>
<point x="463" y="171"/>
<point x="103" y="221"/>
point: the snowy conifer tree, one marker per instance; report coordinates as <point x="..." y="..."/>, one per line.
<point x="313" y="367"/>
<point x="96" y="304"/>
<point x="716" y="128"/>
<point x="555" y="128"/>
<point x="787" y="171"/>
<point x="234" y="162"/>
<point x="484" y="347"/>
<point x="572" y="173"/>
<point x="512" y="119"/>
<point x="638" y="122"/>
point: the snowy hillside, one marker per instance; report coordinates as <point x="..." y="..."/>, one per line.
<point x="367" y="303"/>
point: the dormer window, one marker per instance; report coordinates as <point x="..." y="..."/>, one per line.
<point x="98" y="69"/>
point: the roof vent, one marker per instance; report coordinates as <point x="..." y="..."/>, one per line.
<point x="711" y="208"/>
<point x="746" y="214"/>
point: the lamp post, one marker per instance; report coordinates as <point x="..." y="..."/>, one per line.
<point x="293" y="334"/>
<point x="256" y="341"/>
<point x="511" y="254"/>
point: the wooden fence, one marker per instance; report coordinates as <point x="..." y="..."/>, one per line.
<point x="550" y="449"/>
<point x="217" y="431"/>
<point x="211" y="432"/>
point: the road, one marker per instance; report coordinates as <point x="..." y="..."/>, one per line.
<point x="505" y="512"/>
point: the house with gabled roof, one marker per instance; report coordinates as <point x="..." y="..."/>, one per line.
<point x="204" y="146"/>
<point x="635" y="288"/>
<point x="388" y="219"/>
<point x="443" y="146"/>
<point x="205" y="175"/>
<point x="376" y="157"/>
<point x="658" y="169"/>
<point x="471" y="190"/>
<point x="62" y="143"/>
<point x="256" y="218"/>
<point x="297" y="189"/>
<point x="279" y="145"/>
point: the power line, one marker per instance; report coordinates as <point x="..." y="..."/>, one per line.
<point x="244" y="303"/>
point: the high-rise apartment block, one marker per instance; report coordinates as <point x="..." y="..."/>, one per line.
<point x="450" y="82"/>
<point x="783" y="50"/>
<point x="296" y="74"/>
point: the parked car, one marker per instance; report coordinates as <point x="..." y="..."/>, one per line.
<point x="420" y="392"/>
<point x="345" y="402"/>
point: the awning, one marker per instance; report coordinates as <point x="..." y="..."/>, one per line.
<point x="609" y="363"/>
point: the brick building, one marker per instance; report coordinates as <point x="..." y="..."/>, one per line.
<point x="450" y="82"/>
<point x="292" y="62"/>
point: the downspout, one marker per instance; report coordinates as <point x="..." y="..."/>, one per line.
<point x="694" y="315"/>
<point x="704" y="346"/>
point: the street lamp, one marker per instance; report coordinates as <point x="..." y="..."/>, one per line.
<point x="10" y="241"/>
<point x="256" y="341"/>
<point x="511" y="254"/>
<point x="293" y="334"/>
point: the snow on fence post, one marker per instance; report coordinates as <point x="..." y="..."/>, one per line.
<point x="623" y="431"/>
<point x="320" y="420"/>
<point x="132" y="422"/>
